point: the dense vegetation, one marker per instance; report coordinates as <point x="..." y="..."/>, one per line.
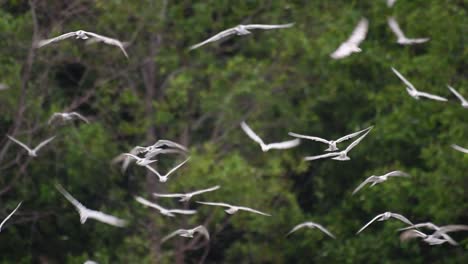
<point x="279" y="81"/>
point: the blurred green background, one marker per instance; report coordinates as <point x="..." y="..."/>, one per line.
<point x="278" y="81"/>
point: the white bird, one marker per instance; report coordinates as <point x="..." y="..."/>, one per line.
<point x="67" y="117"/>
<point x="31" y="152"/>
<point x="390" y="3"/>
<point x="9" y="216"/>
<point x="81" y="34"/>
<point x="139" y="161"/>
<point x="386" y="216"/>
<point x="351" y="45"/>
<point x="331" y="143"/>
<point x="185" y="197"/>
<point x="311" y="225"/>
<point x="239" y="30"/>
<point x="379" y="179"/>
<point x="163" y="178"/>
<point x="461" y="149"/>
<point x="86" y="213"/>
<point x="188" y="233"/>
<point x="342" y="155"/>
<point x="167" y="143"/>
<point x="415" y="93"/>
<point x="266" y="147"/>
<point x="440" y="231"/>
<point x="90" y="262"/>
<point x="233" y="209"/>
<point x="430" y="239"/>
<point x="463" y="101"/>
<point x="162" y="210"/>
<point x="401" y="38"/>
<point x="3" y="86"/>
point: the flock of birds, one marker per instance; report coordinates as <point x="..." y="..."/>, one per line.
<point x="144" y="156"/>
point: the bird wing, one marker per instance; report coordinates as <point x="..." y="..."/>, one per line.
<point x="297" y="227"/>
<point x="263" y="26"/>
<point x="45" y="42"/>
<point x="216" y="37"/>
<point x="109" y="41"/>
<point x="432" y="96"/>
<point x="359" y="32"/>
<point x="9" y="216"/>
<point x="53" y="117"/>
<point x="79" y="116"/>
<point x="215" y="204"/>
<point x="461" y="149"/>
<point x="452" y="228"/>
<point x="427" y="225"/>
<point x="180" y="211"/>
<point x="370" y="222"/>
<point x="70" y="198"/>
<point x="390" y="3"/>
<point x="354" y="143"/>
<point x="341" y="139"/>
<point x="410" y="234"/>
<point x="252" y="210"/>
<point x="285" y="144"/>
<point x="19" y="143"/>
<point x="309" y="137"/>
<point x="177" y="167"/>
<point x="408" y="84"/>
<point x="154" y="171"/>
<point x="143" y="201"/>
<point x="342" y="51"/>
<point x="458" y="95"/>
<point x="323" y="229"/>
<point x="202" y="230"/>
<point x="393" y="24"/>
<point x="159" y="151"/>
<point x="175" y="233"/>
<point x="402" y="218"/>
<point x="169" y="195"/>
<point x="251" y="134"/>
<point x="363" y="184"/>
<point x="43" y="143"/>
<point x="170" y="144"/>
<point x="397" y="174"/>
<point x="205" y="190"/>
<point x="107" y="219"/>
<point x="331" y="154"/>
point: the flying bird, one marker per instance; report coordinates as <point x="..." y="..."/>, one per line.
<point x="401" y="38"/>
<point x="81" y="34"/>
<point x="163" y="178"/>
<point x="162" y="210"/>
<point x="430" y="239"/>
<point x="233" y="209"/>
<point x="31" y="152"/>
<point x="456" y="147"/>
<point x="188" y="233"/>
<point x="185" y="197"/>
<point x="3" y="86"/>
<point x="351" y="45"/>
<point x="379" y="179"/>
<point x="139" y="161"/>
<point x="86" y="213"/>
<point x="342" y="155"/>
<point x="67" y="117"/>
<point x="266" y="147"/>
<point x="415" y="93"/>
<point x="390" y="3"/>
<point x="9" y="216"/>
<point x="239" y="30"/>
<point x="463" y="101"/>
<point x="311" y="225"/>
<point x="440" y="231"/>
<point x="331" y="143"/>
<point x="386" y="216"/>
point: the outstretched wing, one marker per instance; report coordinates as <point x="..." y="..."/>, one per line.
<point x="203" y="231"/>
<point x="432" y="96"/>
<point x="175" y="233"/>
<point x="53" y="117"/>
<point x="458" y="95"/>
<point x="352" y="135"/>
<point x="331" y="154"/>
<point x="363" y="184"/>
<point x="45" y="42"/>
<point x="285" y="144"/>
<point x="70" y="198"/>
<point x="43" y="143"/>
<point x="354" y="143"/>
<point x="79" y="116"/>
<point x="370" y="222"/>
<point x="109" y="41"/>
<point x="214" y="38"/>
<point x="403" y="79"/>
<point x="143" y="201"/>
<point x="185" y="212"/>
<point x="252" y="210"/>
<point x="263" y="26"/>
<point x="107" y="219"/>
<point x="177" y="167"/>
<point x="402" y="218"/>
<point x="205" y="190"/>
<point x="215" y="204"/>
<point x="461" y="149"/>
<point x="397" y="174"/>
<point x="170" y="144"/>
<point x="19" y="143"/>
<point x="393" y="24"/>
<point x="309" y="137"/>
<point x="9" y="216"/>
<point x="169" y="195"/>
<point x="251" y="133"/>
<point x="323" y="229"/>
<point x="360" y="32"/>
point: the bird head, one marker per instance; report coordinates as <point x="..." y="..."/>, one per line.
<point x="163" y="179"/>
<point x="80" y="34"/>
<point x="232" y="210"/>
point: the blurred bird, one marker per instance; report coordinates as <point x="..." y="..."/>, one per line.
<point x="163" y="178"/>
<point x="31" y="152"/>
<point x="67" y="117"/>
<point x="331" y="143"/>
<point x="233" y="209"/>
<point x="162" y="210"/>
<point x="267" y="147"/>
<point x="342" y="155"/>
<point x="239" y="30"/>
<point x="390" y="3"/>
<point x="188" y="233"/>
<point x="430" y="239"/>
<point x="440" y="231"/>
<point x="456" y="147"/>
<point x="311" y="225"/>
<point x="351" y="45"/>
<point x="463" y="101"/>
<point x="86" y="213"/>
<point x="9" y="216"/>
<point x="386" y="216"/>
<point x="401" y="38"/>
<point x="379" y="179"/>
<point x="3" y="87"/>
<point x="81" y="34"/>
<point x="139" y="161"/>
<point x="185" y="197"/>
<point x="415" y="93"/>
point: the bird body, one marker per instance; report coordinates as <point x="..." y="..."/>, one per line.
<point x="31" y="152"/>
<point x="379" y="179"/>
<point x="266" y="147"/>
<point x="415" y="93"/>
<point x="351" y="45"/>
